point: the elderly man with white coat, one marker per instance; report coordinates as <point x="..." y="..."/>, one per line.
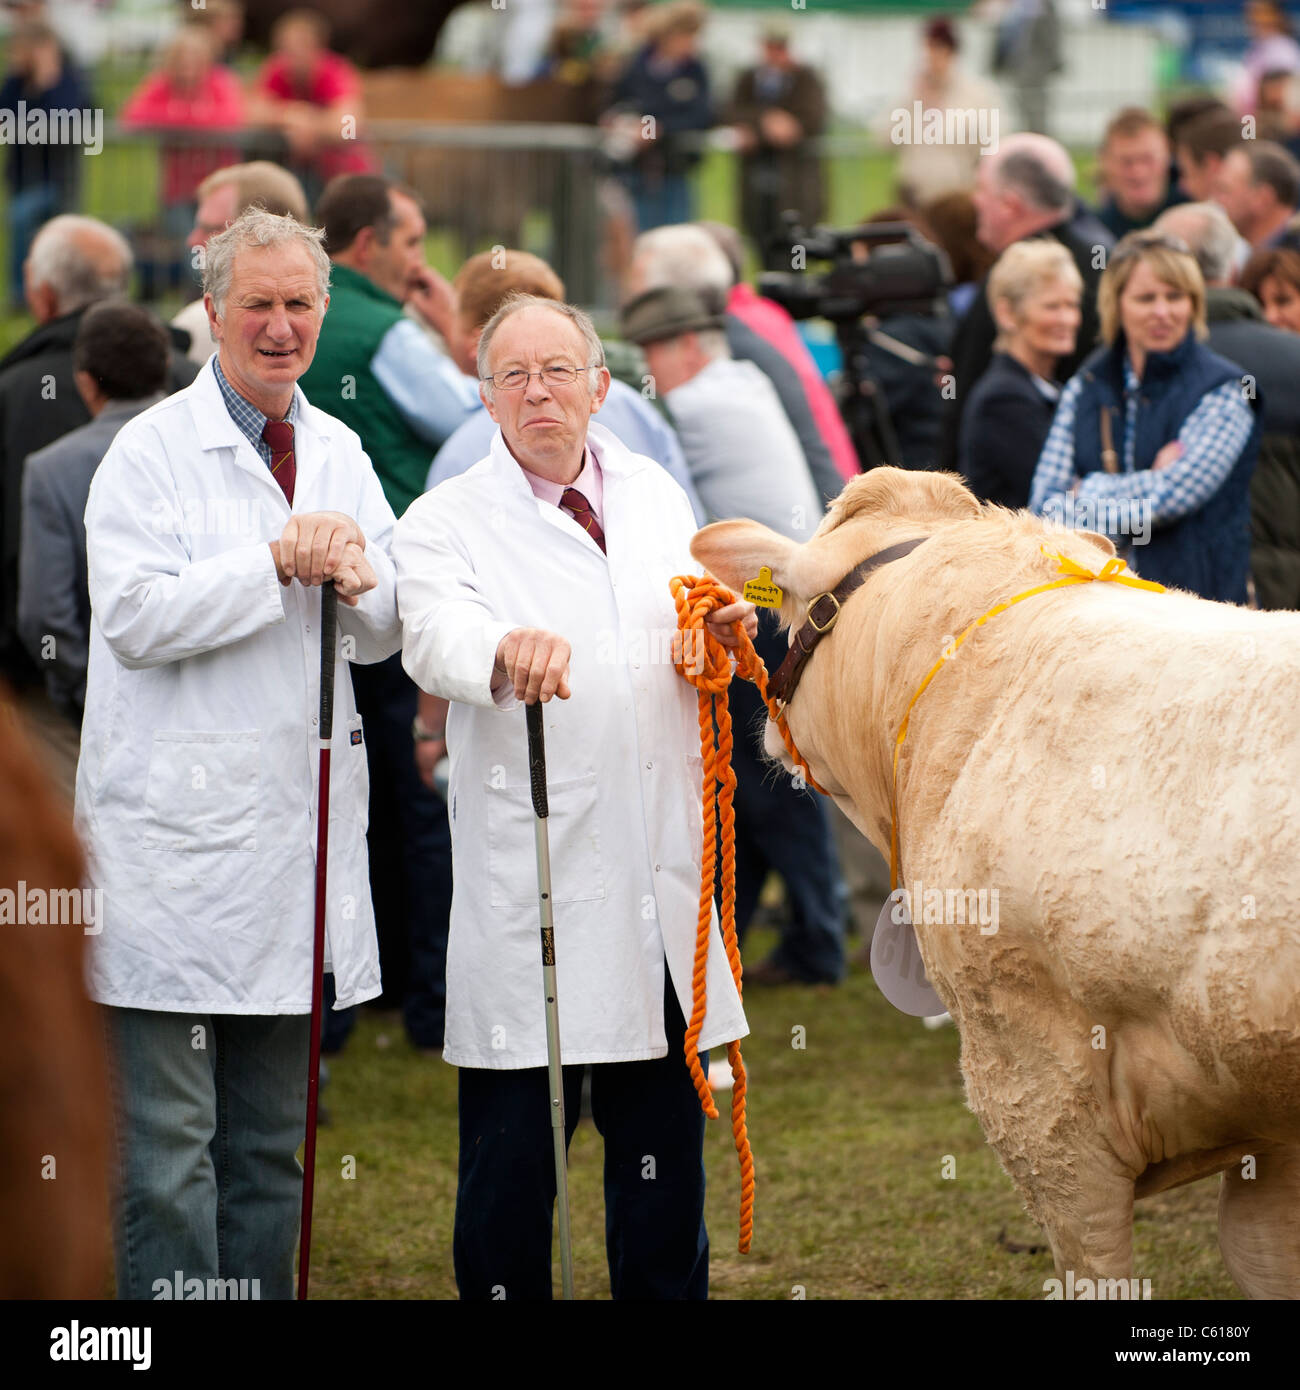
<point x="212" y="522"/>
<point x="543" y="571"/>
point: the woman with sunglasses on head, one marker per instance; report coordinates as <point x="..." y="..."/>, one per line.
<point x="1155" y="438"/>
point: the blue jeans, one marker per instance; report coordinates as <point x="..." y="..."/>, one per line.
<point x="210" y="1111"/>
<point x="661" y="200"/>
<point x="781" y="828"/>
<point x="655" y="1239"/>
<point x="28" y="211"/>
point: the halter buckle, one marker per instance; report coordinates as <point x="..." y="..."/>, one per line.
<point x="822" y="629"/>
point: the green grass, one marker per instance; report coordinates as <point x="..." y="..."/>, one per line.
<point x="849" y="1135"/>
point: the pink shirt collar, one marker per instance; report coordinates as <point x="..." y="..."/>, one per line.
<point x="588" y="482"/>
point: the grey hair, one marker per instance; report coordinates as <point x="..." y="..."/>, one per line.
<point x="713" y="343"/>
<point x="512" y="304"/>
<point x="257" y="227"/>
<point x="685" y="256"/>
<point x="1042" y="187"/>
<point x="1209" y="234"/>
<point x="59" y="260"/>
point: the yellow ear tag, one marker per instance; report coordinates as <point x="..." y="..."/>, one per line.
<point x="761" y="592"/>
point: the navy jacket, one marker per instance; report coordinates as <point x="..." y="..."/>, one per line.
<point x="1003" y="432"/>
<point x="48" y="163"/>
<point x="1207" y="552"/>
<point x="972" y="344"/>
<point x="677" y="98"/>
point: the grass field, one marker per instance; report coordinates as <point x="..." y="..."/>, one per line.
<point x="849" y="1136"/>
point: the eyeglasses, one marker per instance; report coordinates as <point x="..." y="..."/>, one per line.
<point x="515" y="379"/>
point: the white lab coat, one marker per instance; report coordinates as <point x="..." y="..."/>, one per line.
<point x="476" y="557"/>
<point x="197" y="784"/>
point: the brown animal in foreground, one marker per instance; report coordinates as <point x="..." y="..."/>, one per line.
<point x="53" y="1086"/>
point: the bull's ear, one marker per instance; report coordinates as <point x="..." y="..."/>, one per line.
<point x="734" y="551"/>
<point x="1104" y="541"/>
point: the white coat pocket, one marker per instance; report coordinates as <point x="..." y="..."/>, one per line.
<point x="203" y="791"/>
<point x="573" y="829"/>
<point x="349" y="772"/>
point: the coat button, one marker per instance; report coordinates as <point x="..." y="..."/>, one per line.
<point x="649" y="766"/>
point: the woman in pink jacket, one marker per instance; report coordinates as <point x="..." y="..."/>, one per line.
<point x="189" y="91"/>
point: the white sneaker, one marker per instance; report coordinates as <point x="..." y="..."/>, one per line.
<point x="720" y="1077"/>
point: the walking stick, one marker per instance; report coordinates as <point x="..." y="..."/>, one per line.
<point x="537" y="776"/>
<point x="328" y="642"/>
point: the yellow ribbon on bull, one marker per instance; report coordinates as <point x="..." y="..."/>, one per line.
<point x="1114" y="570"/>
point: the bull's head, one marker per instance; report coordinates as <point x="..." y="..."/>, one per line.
<point x="845" y="712"/>
<point x="873" y="511"/>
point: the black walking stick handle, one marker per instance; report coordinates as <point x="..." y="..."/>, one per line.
<point x="329" y="626"/>
<point x="537" y="758"/>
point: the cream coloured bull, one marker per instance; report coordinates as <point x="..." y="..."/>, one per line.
<point x="1124" y="767"/>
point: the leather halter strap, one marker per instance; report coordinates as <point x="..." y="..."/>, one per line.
<point x="823" y="612"/>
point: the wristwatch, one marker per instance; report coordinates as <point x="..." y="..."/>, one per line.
<point x="422" y="735"/>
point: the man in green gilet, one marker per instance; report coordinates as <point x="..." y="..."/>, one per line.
<point x="375" y="368"/>
<point x="379" y="372"/>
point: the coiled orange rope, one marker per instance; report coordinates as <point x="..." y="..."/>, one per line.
<point x="703" y="661"/>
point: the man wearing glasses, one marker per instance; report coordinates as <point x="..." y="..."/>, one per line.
<point x="543" y="573"/>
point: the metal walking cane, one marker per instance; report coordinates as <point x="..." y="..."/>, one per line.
<point x="537" y="776"/>
<point x="328" y="642"/>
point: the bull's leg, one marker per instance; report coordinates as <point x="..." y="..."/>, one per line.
<point x="1259" y="1224"/>
<point x="1090" y="1222"/>
<point x="1043" y="1126"/>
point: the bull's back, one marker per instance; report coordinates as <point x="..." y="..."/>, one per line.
<point x="1134" y="800"/>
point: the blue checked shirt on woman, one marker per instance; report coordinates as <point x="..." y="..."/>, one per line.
<point x="1212" y="436"/>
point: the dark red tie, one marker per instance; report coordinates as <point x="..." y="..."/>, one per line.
<point x="279" y="435"/>
<point x="575" y="503"/>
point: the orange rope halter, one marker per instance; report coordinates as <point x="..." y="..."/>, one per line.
<point x="709" y="670"/>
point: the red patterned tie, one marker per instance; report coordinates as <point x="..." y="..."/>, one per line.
<point x="575" y="503"/>
<point x="279" y="435"/>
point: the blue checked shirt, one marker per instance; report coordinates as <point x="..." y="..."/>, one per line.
<point x="1212" y="436"/>
<point x="250" y="420"/>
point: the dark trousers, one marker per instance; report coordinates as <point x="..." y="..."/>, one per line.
<point x="781" y="828"/>
<point x="410" y="859"/>
<point x="650" y="1119"/>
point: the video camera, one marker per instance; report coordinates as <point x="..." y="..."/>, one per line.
<point x="879" y="270"/>
<point x="876" y="269"/>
